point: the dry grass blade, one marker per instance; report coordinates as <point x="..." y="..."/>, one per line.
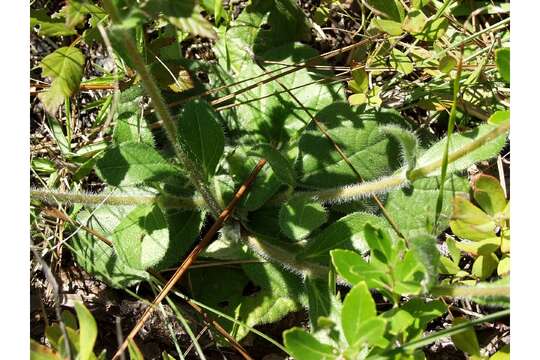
<point x="207" y="239"/>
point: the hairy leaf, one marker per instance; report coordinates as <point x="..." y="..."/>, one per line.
<point x="65" y="68"/>
<point x="371" y="152"/>
<point x="304" y="346"/>
<point x="346" y="233"/>
<point x="279" y="163"/>
<point x="201" y="135"/>
<point x="300" y="216"/>
<point x="133" y="163"/>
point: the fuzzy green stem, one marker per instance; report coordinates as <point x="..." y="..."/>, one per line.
<point x="164" y="115"/>
<point x="175" y="202"/>
<point x="285" y="257"/>
<point x="466" y="149"/>
<point x="359" y="190"/>
<point x="470" y="291"/>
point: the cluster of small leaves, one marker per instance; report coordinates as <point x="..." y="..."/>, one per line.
<point x="308" y="213"/>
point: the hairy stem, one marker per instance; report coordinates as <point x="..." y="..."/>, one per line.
<point x="469" y="291"/>
<point x="53" y="197"/>
<point x="459" y="153"/>
<point x="163" y="114"/>
<point x="285" y="258"/>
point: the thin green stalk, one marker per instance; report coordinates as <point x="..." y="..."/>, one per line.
<point x="451" y="125"/>
<point x="472" y="37"/>
<point x="163" y="114"/>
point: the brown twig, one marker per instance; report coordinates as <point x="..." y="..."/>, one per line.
<point x="207" y="239"/>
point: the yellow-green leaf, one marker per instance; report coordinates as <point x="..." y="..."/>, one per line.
<point x="65" y="68"/>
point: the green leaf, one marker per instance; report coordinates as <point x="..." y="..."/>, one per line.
<point x="422" y="312"/>
<point x="489" y="194"/>
<point x="133" y="163"/>
<point x="142" y="237"/>
<point x="58" y="134"/>
<point x="401" y="62"/>
<point x="87" y="332"/>
<point x="75" y="12"/>
<point x="300" y="216"/>
<point x="418" y="4"/>
<point x="134" y="351"/>
<point x="399" y="320"/>
<point x="379" y="242"/>
<point x="499" y="117"/>
<point x="433" y="30"/>
<point x="459" y="141"/>
<point x="414" y="22"/>
<point x="255" y="294"/>
<point x="48" y="26"/>
<point x="96" y="257"/>
<point x="322" y="303"/>
<point x="201" y="135"/>
<point x="360" y="82"/>
<point x="392" y="28"/>
<point x="130" y="124"/>
<point x="304" y="346"/>
<point x="447" y="64"/>
<point x="265" y="185"/>
<point x="408" y="141"/>
<point x="267" y="112"/>
<point x="410" y="272"/>
<point x="484" y="266"/>
<point x="346" y="233"/>
<point x="279" y="163"/>
<point x="372" y="332"/>
<point x="185" y="15"/>
<point x="425" y="249"/>
<point x="65" y="68"/>
<point x="504" y="266"/>
<point x="469" y="222"/>
<point x="358" y="307"/>
<point x="502" y="354"/>
<point x="359" y="135"/>
<point x="353" y="268"/>
<point x="41" y="352"/>
<point x="413" y="207"/>
<point x="502" y="60"/>
<point x="391" y="9"/>
<point x="263" y="25"/>
<point x="466" y="340"/>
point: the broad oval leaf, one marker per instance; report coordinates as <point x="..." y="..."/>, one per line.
<point x="201" y="135"/>
<point x="304" y="346"/>
<point x="358" y="307"/>
<point x="346" y="233"/>
<point x="300" y="216"/>
<point x="279" y="163"/>
<point x="489" y="194"/>
<point x="370" y="151"/>
<point x="132" y="164"/>
<point x="65" y="68"/>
